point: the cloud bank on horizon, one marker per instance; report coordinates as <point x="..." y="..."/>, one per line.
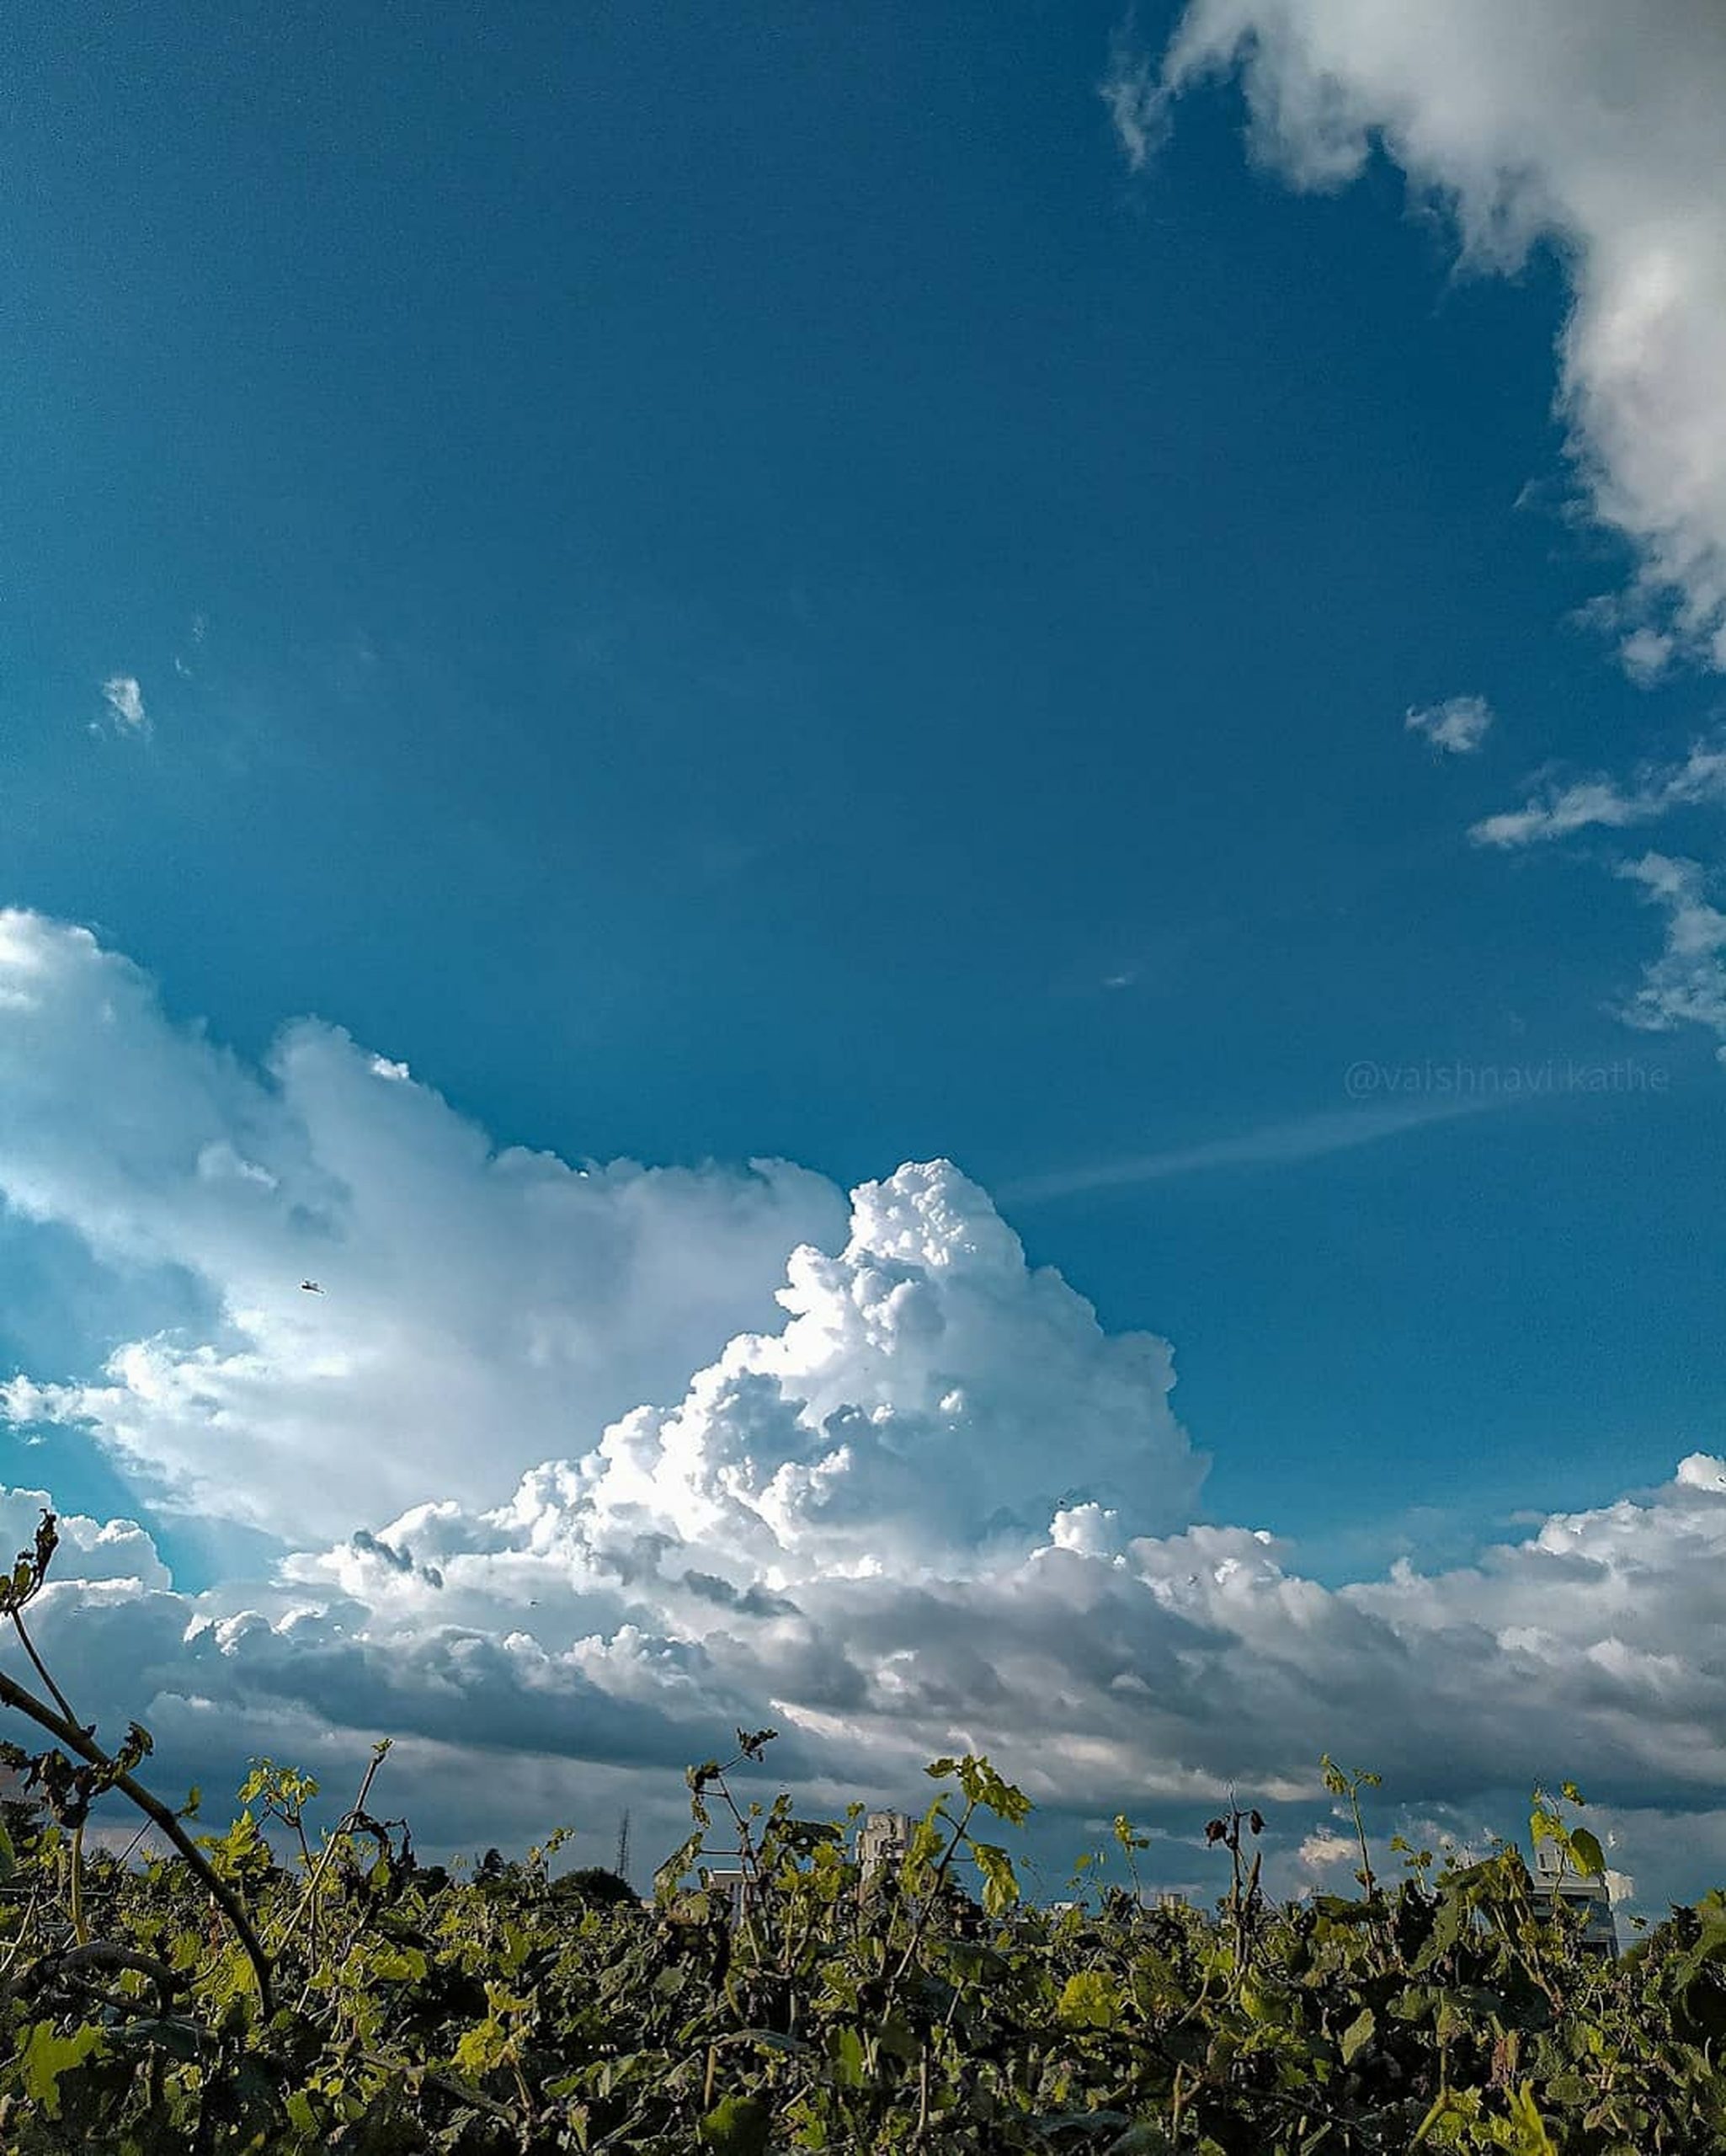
<point x="573" y="1469"/>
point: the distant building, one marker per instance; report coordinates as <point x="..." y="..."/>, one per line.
<point x="884" y="1838"/>
<point x="1591" y="1899"/>
<point x="734" y="1885"/>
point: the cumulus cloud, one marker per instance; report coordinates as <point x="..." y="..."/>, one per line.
<point x="1149" y="1672"/>
<point x="89" y="1548"/>
<point x="125" y="703"/>
<point x="1563" y="809"/>
<point x="1325" y="1850"/>
<point x="1458" y="725"/>
<point x="889" y="1489"/>
<point x="486" y="1308"/>
<point x="1580" y="123"/>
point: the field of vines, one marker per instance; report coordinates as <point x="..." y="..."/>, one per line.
<point x="214" y="1999"/>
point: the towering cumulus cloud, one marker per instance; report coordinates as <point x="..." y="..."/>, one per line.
<point x="482" y="1309"/>
<point x="575" y="1469"/>
<point x="929" y="1398"/>
<point x="1591" y="124"/>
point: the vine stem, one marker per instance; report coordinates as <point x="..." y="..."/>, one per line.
<point x="98" y="1953"/>
<point x="423" y="2077"/>
<point x="344" y="1825"/>
<point x="30" y="1648"/>
<point x="78" y="1924"/>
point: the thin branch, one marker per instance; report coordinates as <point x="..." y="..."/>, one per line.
<point x="30" y="1648"/>
<point x="98" y="1954"/>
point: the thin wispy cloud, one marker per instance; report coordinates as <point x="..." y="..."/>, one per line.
<point x="1458" y="725"/>
<point x="1686" y="983"/>
<point x="1304" y="1138"/>
<point x="124" y="699"/>
<point x="1602" y="801"/>
<point x="1134" y="98"/>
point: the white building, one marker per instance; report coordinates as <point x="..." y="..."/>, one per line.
<point x="884" y="1838"/>
<point x="1591" y="1899"/>
<point x="734" y="1885"/>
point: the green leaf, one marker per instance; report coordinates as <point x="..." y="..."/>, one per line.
<point x="1359" y="2033"/>
<point x="1527" y="2125"/>
<point x="776" y="2040"/>
<point x="1089" y="2000"/>
<point x="1587" y="1854"/>
<point x="847" y="2058"/>
<point x="177" y="2038"/>
<point x="1000" y="1889"/>
<point x="46" y="2056"/>
<point x="984" y="1787"/>
<point x="8" y="1855"/>
<point x="737" y="2125"/>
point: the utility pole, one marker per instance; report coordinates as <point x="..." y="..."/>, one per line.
<point x="621" y="1866"/>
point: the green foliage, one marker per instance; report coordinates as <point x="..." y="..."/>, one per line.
<point x="509" y="2015"/>
<point x="738" y="2125"/>
<point x="596" y="1884"/>
<point x="517" y="2014"/>
<point x="1580" y="1849"/>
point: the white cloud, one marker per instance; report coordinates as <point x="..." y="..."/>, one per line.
<point x="1686" y="983"/>
<point x="125" y="703"/>
<point x="89" y="1550"/>
<point x="1646" y="654"/>
<point x="901" y="1418"/>
<point x="1699" y="780"/>
<point x="924" y="1504"/>
<point x="1134" y="99"/>
<point x="1459" y="724"/>
<point x="1301" y="1138"/>
<point x="484" y="1309"/>
<point x="1584" y="123"/>
<point x="1099" y="1668"/>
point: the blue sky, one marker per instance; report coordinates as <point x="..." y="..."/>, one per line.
<point x="726" y="590"/>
